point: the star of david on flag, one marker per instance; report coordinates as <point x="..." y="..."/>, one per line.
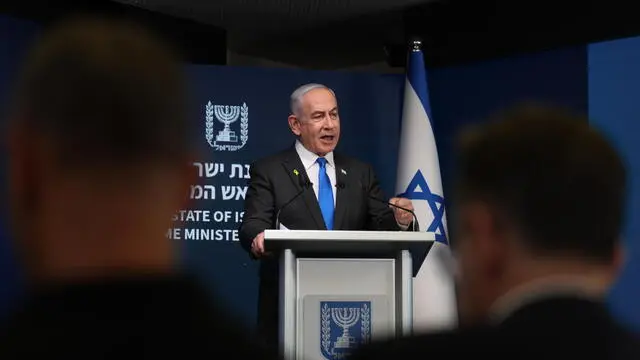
<point x="418" y="179"/>
<point x="418" y="189"/>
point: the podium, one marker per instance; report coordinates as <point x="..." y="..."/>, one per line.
<point x="341" y="289"/>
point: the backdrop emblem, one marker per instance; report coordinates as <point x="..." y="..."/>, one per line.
<point x="226" y="139"/>
<point x="344" y="325"/>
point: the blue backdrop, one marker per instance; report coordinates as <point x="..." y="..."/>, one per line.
<point x="369" y="107"/>
<point x="469" y="94"/>
<point x="255" y="100"/>
<point x="614" y="87"/>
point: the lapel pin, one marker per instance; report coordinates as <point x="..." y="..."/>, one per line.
<point x="295" y="171"/>
<point x="344" y="172"/>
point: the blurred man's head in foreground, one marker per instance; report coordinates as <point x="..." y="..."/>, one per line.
<point x="540" y="194"/>
<point x="98" y="149"/>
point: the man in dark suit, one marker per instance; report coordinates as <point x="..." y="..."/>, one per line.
<point x="341" y="193"/>
<point x="98" y="164"/>
<point x="539" y="207"/>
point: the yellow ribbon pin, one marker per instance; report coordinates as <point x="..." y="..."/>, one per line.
<point x="295" y="171"/>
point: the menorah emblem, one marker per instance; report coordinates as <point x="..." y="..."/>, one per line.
<point x="227" y="115"/>
<point x="344" y="325"/>
<point x="345" y="318"/>
<point x="226" y="139"/>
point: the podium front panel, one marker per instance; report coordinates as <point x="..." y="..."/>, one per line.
<point x="342" y="302"/>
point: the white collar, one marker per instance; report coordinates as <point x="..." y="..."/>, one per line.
<point x="308" y="158"/>
<point x="539" y="289"/>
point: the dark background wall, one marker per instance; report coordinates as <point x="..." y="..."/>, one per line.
<point x="324" y="34"/>
<point x="199" y="43"/>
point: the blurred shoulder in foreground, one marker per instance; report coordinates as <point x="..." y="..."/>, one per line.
<point x="98" y="163"/>
<point x="537" y="218"/>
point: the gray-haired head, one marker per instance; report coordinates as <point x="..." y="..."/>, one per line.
<point x="299" y="93"/>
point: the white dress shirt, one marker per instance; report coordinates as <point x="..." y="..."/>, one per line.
<point x="312" y="167"/>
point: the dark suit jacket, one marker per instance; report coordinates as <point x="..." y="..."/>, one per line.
<point x="556" y="328"/>
<point x="154" y="317"/>
<point x="274" y="182"/>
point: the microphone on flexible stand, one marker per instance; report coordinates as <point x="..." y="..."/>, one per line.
<point x="304" y="184"/>
<point x="364" y="190"/>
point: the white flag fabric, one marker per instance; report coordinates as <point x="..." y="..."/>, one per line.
<point x="418" y="178"/>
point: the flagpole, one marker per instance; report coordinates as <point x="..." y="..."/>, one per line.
<point x="418" y="179"/>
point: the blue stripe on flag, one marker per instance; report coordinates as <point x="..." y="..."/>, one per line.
<point x="417" y="76"/>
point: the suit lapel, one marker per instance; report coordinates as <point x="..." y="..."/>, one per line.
<point x="342" y="198"/>
<point x="292" y="164"/>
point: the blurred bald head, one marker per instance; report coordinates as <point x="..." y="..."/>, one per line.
<point x="540" y="195"/>
<point x="104" y="90"/>
<point x="98" y="147"/>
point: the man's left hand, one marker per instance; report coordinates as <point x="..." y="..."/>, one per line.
<point x="402" y="217"/>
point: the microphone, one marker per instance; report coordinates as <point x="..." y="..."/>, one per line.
<point x="304" y="184"/>
<point x="415" y="218"/>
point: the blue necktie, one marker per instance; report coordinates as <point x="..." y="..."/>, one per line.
<point x="325" y="193"/>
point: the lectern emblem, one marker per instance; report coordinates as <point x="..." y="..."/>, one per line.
<point x="226" y="139"/>
<point x="344" y="325"/>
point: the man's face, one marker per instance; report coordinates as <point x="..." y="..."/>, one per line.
<point x="25" y="184"/>
<point x="318" y="122"/>
<point x="44" y="194"/>
<point x="481" y="257"/>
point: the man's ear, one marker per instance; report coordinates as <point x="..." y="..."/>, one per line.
<point x="294" y="124"/>
<point x="20" y="158"/>
<point x="619" y="260"/>
<point x="26" y="159"/>
<point x="489" y="237"/>
<point x="480" y="219"/>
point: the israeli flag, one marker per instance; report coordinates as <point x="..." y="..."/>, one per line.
<point x="418" y="178"/>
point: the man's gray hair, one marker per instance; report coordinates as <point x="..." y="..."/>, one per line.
<point x="297" y="94"/>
